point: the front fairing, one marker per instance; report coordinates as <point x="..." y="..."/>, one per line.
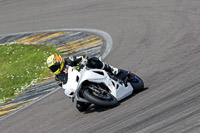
<point x="72" y="83"/>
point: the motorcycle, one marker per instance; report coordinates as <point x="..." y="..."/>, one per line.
<point x="98" y="87"/>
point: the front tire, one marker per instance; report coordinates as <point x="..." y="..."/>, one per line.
<point x="100" y="101"/>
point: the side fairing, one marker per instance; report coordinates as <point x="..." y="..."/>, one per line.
<point x="75" y="80"/>
<point x="118" y="90"/>
<point x="99" y="76"/>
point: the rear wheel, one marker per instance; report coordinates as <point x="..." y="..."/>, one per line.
<point x="99" y="97"/>
<point x="136" y="82"/>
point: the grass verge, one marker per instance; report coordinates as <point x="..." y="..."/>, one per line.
<point x="21" y="67"/>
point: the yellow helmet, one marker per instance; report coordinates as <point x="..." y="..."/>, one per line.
<point x="55" y="63"/>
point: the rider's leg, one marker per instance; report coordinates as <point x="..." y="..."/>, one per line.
<point x="96" y="63"/>
<point x="111" y="69"/>
<point x="82" y="106"/>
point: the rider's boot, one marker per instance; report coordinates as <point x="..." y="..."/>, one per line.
<point x="110" y="69"/>
<point x="82" y="106"/>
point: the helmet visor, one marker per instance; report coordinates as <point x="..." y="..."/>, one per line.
<point x="55" y="67"/>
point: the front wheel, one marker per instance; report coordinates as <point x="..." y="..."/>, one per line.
<point x="100" y="97"/>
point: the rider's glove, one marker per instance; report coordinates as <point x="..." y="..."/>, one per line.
<point x="58" y="82"/>
<point x="84" y="61"/>
<point x="115" y="70"/>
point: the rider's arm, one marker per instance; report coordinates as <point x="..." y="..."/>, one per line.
<point x="74" y="60"/>
<point x="62" y="78"/>
<point x="58" y="81"/>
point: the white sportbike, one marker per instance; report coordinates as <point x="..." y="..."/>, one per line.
<point x="98" y="87"/>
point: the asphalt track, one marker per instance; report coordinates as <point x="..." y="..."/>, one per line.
<point x="156" y="39"/>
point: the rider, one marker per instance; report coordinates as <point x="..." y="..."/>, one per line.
<point x="59" y="65"/>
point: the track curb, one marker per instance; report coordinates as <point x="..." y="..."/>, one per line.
<point x="93" y="46"/>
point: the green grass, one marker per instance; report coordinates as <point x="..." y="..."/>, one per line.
<point x="21" y="67"/>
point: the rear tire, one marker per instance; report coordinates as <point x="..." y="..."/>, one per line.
<point x="88" y="94"/>
<point x="137" y="83"/>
